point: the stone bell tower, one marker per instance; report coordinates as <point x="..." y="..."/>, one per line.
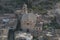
<point x="24" y="9"/>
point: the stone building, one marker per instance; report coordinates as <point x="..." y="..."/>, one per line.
<point x="7" y="21"/>
<point x="28" y="21"/>
<point x="23" y="10"/>
<point x="4" y="34"/>
<point x="23" y="36"/>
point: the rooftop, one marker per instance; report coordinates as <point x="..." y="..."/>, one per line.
<point x="23" y="35"/>
<point x="8" y="21"/>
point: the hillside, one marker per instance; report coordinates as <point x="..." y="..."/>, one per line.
<point x="8" y="6"/>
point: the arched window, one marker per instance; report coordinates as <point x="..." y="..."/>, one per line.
<point x="27" y="23"/>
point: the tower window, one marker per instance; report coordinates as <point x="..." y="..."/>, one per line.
<point x="27" y="23"/>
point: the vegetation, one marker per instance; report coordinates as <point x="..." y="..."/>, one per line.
<point x="41" y="6"/>
<point x="39" y="9"/>
<point x="45" y="26"/>
<point x="54" y="24"/>
<point x="35" y="38"/>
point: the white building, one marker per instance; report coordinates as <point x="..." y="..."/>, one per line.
<point x="4" y="34"/>
<point x="8" y="21"/>
<point x="23" y="36"/>
<point x="28" y="19"/>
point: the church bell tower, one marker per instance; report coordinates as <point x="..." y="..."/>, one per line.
<point x="24" y="8"/>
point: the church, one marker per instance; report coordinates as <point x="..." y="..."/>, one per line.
<point x="23" y="19"/>
<point x="29" y="21"/>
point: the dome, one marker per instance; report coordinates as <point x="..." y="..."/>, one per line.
<point x="28" y="21"/>
<point x="29" y="16"/>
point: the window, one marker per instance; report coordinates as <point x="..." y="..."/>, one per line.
<point x="5" y="20"/>
<point x="39" y="28"/>
<point x="27" y="23"/>
<point x="27" y="30"/>
<point x="11" y="27"/>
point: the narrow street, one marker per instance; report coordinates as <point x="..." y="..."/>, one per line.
<point x="11" y="35"/>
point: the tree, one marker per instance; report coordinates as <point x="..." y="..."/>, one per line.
<point x="54" y="24"/>
<point x="45" y="26"/>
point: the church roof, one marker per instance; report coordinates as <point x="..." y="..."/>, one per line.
<point x="29" y="16"/>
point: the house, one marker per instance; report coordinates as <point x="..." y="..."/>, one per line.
<point x="23" y="36"/>
<point x="8" y="21"/>
<point x="4" y="34"/>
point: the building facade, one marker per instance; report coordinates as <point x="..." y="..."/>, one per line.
<point x="7" y="22"/>
<point x="4" y="34"/>
<point x="23" y="36"/>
